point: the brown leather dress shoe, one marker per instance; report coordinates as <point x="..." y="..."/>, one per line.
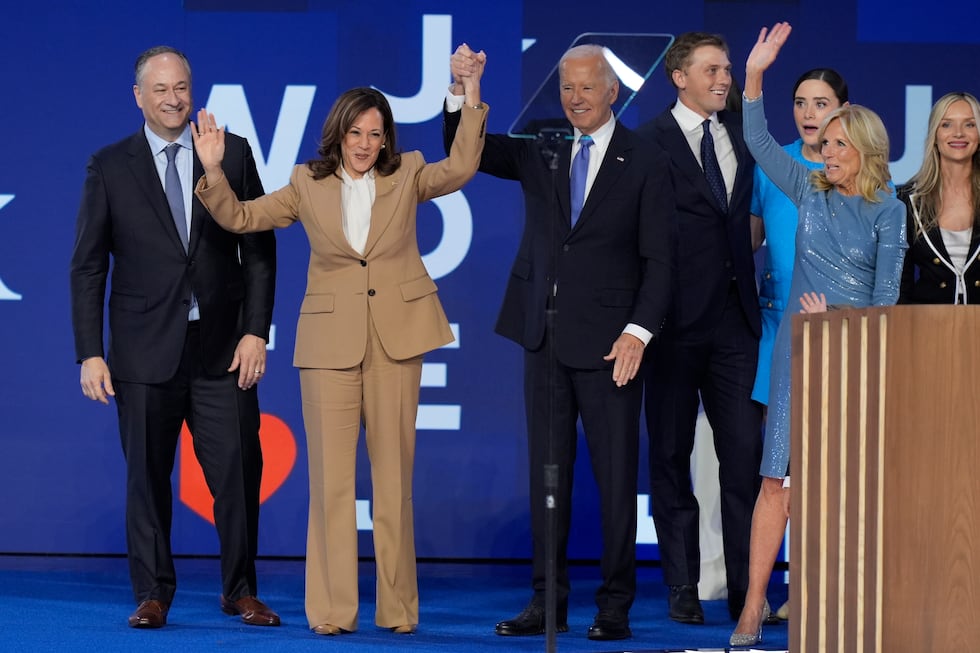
<point x="253" y="611"/>
<point x="149" y="614"/>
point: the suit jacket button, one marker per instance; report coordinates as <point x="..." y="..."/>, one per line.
<point x="942" y="284"/>
<point x="371" y="292"/>
<point x="935" y="261"/>
<point x="565" y="248"/>
<point x="363" y="264"/>
<point x="976" y="284"/>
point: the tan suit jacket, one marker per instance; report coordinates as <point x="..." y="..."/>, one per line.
<point x="389" y="283"/>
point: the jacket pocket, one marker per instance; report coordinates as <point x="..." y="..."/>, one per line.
<point x="521" y="269"/>
<point x="318" y="303"/>
<point x="621" y="297"/>
<point x="416" y="288"/>
<point x="132" y="303"/>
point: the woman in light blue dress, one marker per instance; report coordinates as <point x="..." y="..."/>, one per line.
<point x="850" y="246"/>
<point x="816" y="94"/>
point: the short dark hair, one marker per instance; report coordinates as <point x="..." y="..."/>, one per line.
<point x="830" y="76"/>
<point x="679" y="53"/>
<point x="344" y="112"/>
<point x="146" y="55"/>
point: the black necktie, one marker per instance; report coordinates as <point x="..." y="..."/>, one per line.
<point x="712" y="171"/>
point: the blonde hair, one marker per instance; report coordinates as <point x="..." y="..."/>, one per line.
<point x="866" y="133"/>
<point x="927" y="183"/>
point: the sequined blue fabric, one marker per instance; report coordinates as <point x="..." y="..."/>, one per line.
<point x="847" y="248"/>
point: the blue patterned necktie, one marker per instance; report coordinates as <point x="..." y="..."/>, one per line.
<point x="712" y="171"/>
<point x="580" y="172"/>
<point x="175" y="194"/>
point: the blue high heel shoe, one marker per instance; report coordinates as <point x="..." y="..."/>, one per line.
<point x="751" y="639"/>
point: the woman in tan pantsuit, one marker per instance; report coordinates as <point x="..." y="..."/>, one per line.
<point x="369" y="315"/>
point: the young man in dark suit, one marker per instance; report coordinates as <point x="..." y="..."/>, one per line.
<point x="189" y="315"/>
<point x="710" y="342"/>
<point x="597" y="249"/>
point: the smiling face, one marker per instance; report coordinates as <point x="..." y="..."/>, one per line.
<point x="956" y="136"/>
<point x="813" y="100"/>
<point x="842" y="161"/>
<point x="164" y="95"/>
<point x="362" y="142"/>
<point x="586" y="92"/>
<point x="703" y="85"/>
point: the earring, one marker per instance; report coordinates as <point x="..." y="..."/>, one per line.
<point x="382" y="146"/>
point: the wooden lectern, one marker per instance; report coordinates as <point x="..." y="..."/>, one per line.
<point x="885" y="469"/>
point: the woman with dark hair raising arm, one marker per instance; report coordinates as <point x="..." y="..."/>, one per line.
<point x="370" y="313"/>
<point x="850" y="245"/>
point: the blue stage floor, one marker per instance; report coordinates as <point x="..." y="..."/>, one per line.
<point x="81" y="604"/>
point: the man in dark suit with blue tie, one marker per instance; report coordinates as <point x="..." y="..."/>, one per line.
<point x="596" y="249"/>
<point x="709" y="345"/>
<point x="190" y="309"/>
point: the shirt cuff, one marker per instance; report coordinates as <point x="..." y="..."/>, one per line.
<point x="454" y="103"/>
<point x="639" y="332"/>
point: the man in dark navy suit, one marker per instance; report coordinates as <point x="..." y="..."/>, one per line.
<point x="189" y="315"/>
<point x="710" y="342"/>
<point x="597" y="249"/>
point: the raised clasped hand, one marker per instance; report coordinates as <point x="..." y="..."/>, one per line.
<point x="466" y="65"/>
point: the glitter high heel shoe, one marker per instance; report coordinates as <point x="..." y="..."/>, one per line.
<point x="751" y="639"/>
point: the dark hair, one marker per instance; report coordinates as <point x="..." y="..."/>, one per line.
<point x="828" y="75"/>
<point x="344" y="112"/>
<point x="146" y="55"/>
<point x="679" y="53"/>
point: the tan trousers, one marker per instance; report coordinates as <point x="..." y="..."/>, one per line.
<point x="386" y="393"/>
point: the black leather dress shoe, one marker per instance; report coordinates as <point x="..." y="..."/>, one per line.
<point x="531" y="621"/>
<point x="610" y="624"/>
<point x="685" y="607"/>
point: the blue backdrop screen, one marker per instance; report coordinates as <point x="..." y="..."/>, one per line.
<point x="271" y="69"/>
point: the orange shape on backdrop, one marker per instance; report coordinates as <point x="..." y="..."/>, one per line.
<point x="278" y="458"/>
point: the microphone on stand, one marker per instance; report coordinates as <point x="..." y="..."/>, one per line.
<point x="550" y="140"/>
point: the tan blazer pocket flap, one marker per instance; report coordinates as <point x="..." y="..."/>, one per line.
<point x="416" y="288"/>
<point x="318" y="304"/>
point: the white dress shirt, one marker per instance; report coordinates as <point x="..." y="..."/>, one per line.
<point x="357" y="198"/>
<point x="690" y="124"/>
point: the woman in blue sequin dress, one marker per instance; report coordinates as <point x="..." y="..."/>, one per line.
<point x="850" y="246"/>
<point x="816" y="93"/>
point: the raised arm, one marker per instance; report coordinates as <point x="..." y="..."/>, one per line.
<point x="762" y="55"/>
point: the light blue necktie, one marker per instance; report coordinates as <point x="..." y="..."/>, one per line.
<point x="175" y="194"/>
<point x="580" y="173"/>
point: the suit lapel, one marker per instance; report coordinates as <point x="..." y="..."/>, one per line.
<point x="614" y="163"/>
<point x="327" y="202"/>
<point x="744" y="172"/>
<point x="148" y="181"/>
<point x="563" y="184"/>
<point x="675" y="142"/>
<point x="198" y="212"/>
<point x="385" y="203"/>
